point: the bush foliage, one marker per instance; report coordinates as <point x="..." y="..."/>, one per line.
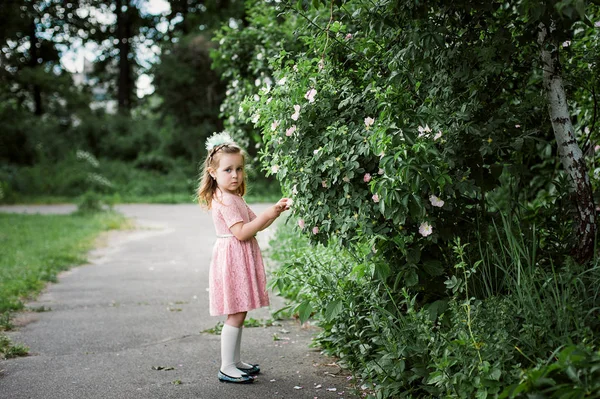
<point x="415" y="142"/>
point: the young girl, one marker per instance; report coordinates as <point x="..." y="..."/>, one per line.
<point x="237" y="280"/>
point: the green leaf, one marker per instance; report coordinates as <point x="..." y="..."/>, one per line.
<point x="495" y="375"/>
<point x="382" y="271"/>
<point x="414" y="255"/>
<point x="304" y="311"/>
<point x="333" y="309"/>
<point x="411" y="278"/>
<point x="433" y="267"/>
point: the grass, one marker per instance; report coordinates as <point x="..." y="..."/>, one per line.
<point x="35" y="248"/>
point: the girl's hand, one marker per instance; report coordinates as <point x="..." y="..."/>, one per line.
<point x="283" y="204"/>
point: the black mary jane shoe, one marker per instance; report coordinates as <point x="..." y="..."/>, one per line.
<point x="254" y="370"/>
<point x="244" y="379"/>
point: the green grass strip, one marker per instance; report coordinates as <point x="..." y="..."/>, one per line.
<point x="35" y="248"/>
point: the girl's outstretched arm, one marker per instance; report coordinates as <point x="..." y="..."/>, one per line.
<point x="245" y="231"/>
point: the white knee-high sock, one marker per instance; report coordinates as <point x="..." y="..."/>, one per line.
<point x="238" y="344"/>
<point x="229" y="337"/>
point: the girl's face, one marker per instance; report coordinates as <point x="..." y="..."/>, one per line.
<point x="230" y="173"/>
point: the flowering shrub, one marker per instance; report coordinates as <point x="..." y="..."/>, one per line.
<point x="402" y="130"/>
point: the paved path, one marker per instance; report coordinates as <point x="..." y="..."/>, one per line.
<point x="142" y="302"/>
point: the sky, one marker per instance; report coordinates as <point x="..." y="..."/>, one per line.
<point x="73" y="59"/>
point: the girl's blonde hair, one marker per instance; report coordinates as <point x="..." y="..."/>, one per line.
<point x="208" y="186"/>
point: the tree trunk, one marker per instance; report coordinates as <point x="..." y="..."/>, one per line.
<point x="568" y="149"/>
<point x="125" y="87"/>
<point x="33" y="63"/>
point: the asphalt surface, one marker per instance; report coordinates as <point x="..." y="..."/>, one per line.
<point x="140" y="305"/>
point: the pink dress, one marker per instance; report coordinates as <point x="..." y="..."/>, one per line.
<point x="237" y="281"/>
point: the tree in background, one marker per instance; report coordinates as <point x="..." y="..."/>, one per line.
<point x="190" y="91"/>
<point x="32" y="80"/>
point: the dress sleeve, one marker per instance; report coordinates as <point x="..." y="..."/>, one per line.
<point x="251" y="214"/>
<point x="230" y="210"/>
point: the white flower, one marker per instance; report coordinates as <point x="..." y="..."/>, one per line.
<point x="235" y="83"/>
<point x="256" y="97"/>
<point x="260" y="56"/>
<point x="274" y="125"/>
<point x="257" y="82"/>
<point x="317" y="150"/>
<point x="438" y="135"/>
<point x="269" y="99"/>
<point x="587" y="130"/>
<point x="295" y="189"/>
<point x="321" y="64"/>
<point x="296" y="114"/>
<point x="282" y="81"/>
<point x="597" y="24"/>
<point x="369" y="122"/>
<point x="275" y="168"/>
<point x="435" y="201"/>
<point x="424" y="130"/>
<point x="310" y="95"/>
<point x="255" y="118"/>
<point x="425" y="229"/>
<point x="295" y="68"/>
<point x="566" y="43"/>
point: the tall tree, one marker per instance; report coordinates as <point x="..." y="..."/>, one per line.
<point x="568" y="148"/>
<point x="30" y="31"/>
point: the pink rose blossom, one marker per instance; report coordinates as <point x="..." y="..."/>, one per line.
<point x="301" y="223"/>
<point x="315" y="230"/>
<point x="274" y="125"/>
<point x="375" y="198"/>
<point x="425" y="229"/>
<point x="290" y="130"/>
<point x="435" y="201"/>
<point x="349" y="36"/>
<point x="518" y="126"/>
<point x="310" y="95"/>
<point x="367" y="177"/>
<point x="597" y="148"/>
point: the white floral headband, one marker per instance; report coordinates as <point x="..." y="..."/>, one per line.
<point x="218" y="139"/>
